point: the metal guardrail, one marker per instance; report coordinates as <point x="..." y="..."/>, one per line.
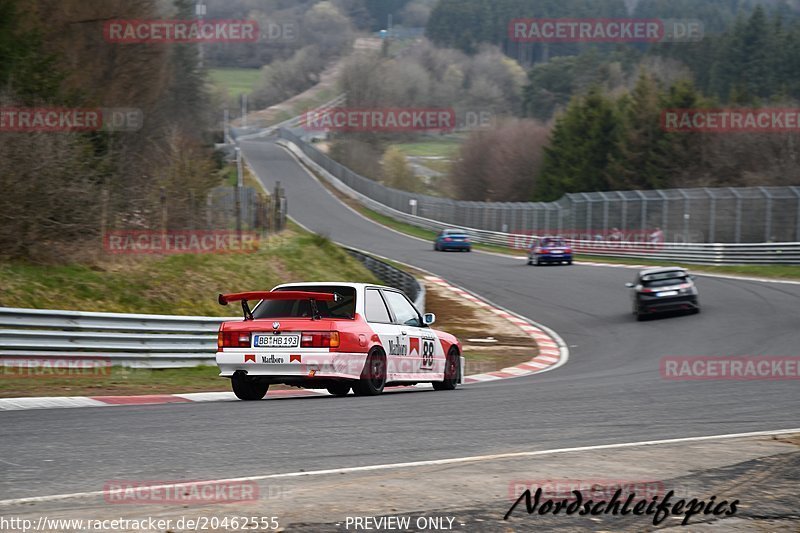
<point x="249" y="134"/>
<point x="699" y="253"/>
<point x="393" y="277"/>
<point x="139" y="341"/>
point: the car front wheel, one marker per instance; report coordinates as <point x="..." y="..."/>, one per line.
<point x="452" y="371"/>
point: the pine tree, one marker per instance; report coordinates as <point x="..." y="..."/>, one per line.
<point x="585" y="140"/>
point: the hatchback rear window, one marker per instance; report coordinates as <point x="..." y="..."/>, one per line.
<point x="346" y="308"/>
<point x="664" y="279"/>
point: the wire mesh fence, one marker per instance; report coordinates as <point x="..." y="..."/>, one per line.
<point x="703" y="215"/>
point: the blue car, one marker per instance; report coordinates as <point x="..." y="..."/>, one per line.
<point x="549" y="250"/>
<point x="452" y="239"/>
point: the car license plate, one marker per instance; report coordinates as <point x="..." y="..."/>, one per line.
<point x="276" y="341"/>
<point x="666" y="293"/>
<point x="556" y="252"/>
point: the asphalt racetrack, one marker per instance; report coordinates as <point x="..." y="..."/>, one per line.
<point x="610" y="391"/>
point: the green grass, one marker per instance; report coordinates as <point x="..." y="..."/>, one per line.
<point x="446" y="148"/>
<point x="235" y="81"/>
<point x="317" y="98"/>
<point x="761" y="271"/>
<point x="114" y="381"/>
<point x="439" y="165"/>
<point x="185" y="284"/>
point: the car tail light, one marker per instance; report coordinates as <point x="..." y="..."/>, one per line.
<point x="319" y="339"/>
<point x="447" y="239"/>
<point x="568" y="250"/>
<point x="233" y="339"/>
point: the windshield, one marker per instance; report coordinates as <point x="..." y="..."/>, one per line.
<point x="549" y="243"/>
<point x="346" y="308"/>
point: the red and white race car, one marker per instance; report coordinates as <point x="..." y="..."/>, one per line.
<point x="334" y="336"/>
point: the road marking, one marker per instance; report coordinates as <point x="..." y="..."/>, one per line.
<point x="414" y="464"/>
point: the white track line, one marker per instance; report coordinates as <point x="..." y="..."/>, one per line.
<point x="413" y="464"/>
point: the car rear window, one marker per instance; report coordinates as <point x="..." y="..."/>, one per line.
<point x="346" y="308"/>
<point x="664" y="279"/>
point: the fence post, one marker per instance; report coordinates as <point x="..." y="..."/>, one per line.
<point x="712" y="216"/>
<point x="767" y="215"/>
<point x="796" y="191"/>
<point x="738" y="232"/>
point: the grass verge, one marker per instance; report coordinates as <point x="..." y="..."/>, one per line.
<point x="235" y="81"/>
<point x="788" y="272"/>
<point x="118" y="382"/>
<point x="446" y="148"/>
<point x="183" y="284"/>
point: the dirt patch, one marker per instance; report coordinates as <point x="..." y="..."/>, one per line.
<point x="472" y="324"/>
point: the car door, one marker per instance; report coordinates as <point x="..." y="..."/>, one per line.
<point x="424" y="354"/>
<point x="382" y="322"/>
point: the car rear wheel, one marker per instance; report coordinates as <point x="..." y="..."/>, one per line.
<point x="339" y="389"/>
<point x="452" y="371"/>
<point x="247" y="389"/>
<point x="373" y="377"/>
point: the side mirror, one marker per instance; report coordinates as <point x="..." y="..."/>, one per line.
<point x="630" y="285"/>
<point x="428" y="319"/>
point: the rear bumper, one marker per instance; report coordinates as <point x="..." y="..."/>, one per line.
<point x="297" y="365"/>
<point x="454" y="246"/>
<point x="563" y="258"/>
<point x="663" y="305"/>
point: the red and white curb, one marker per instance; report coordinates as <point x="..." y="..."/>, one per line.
<point x="54" y="402"/>
<point x="552" y="354"/>
<point x="552" y="350"/>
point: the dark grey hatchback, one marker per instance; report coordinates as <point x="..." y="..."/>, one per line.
<point x="659" y="290"/>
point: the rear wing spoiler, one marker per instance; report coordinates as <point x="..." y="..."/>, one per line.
<point x="243" y="297"/>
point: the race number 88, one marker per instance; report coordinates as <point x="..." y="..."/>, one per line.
<point x="427" y="354"/>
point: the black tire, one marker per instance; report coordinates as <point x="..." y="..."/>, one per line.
<point x="339" y="389"/>
<point x="569" y="263"/>
<point x="637" y="312"/>
<point x="530" y="262"/>
<point x="373" y="377"/>
<point x="452" y="371"/>
<point x="247" y="389"/>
